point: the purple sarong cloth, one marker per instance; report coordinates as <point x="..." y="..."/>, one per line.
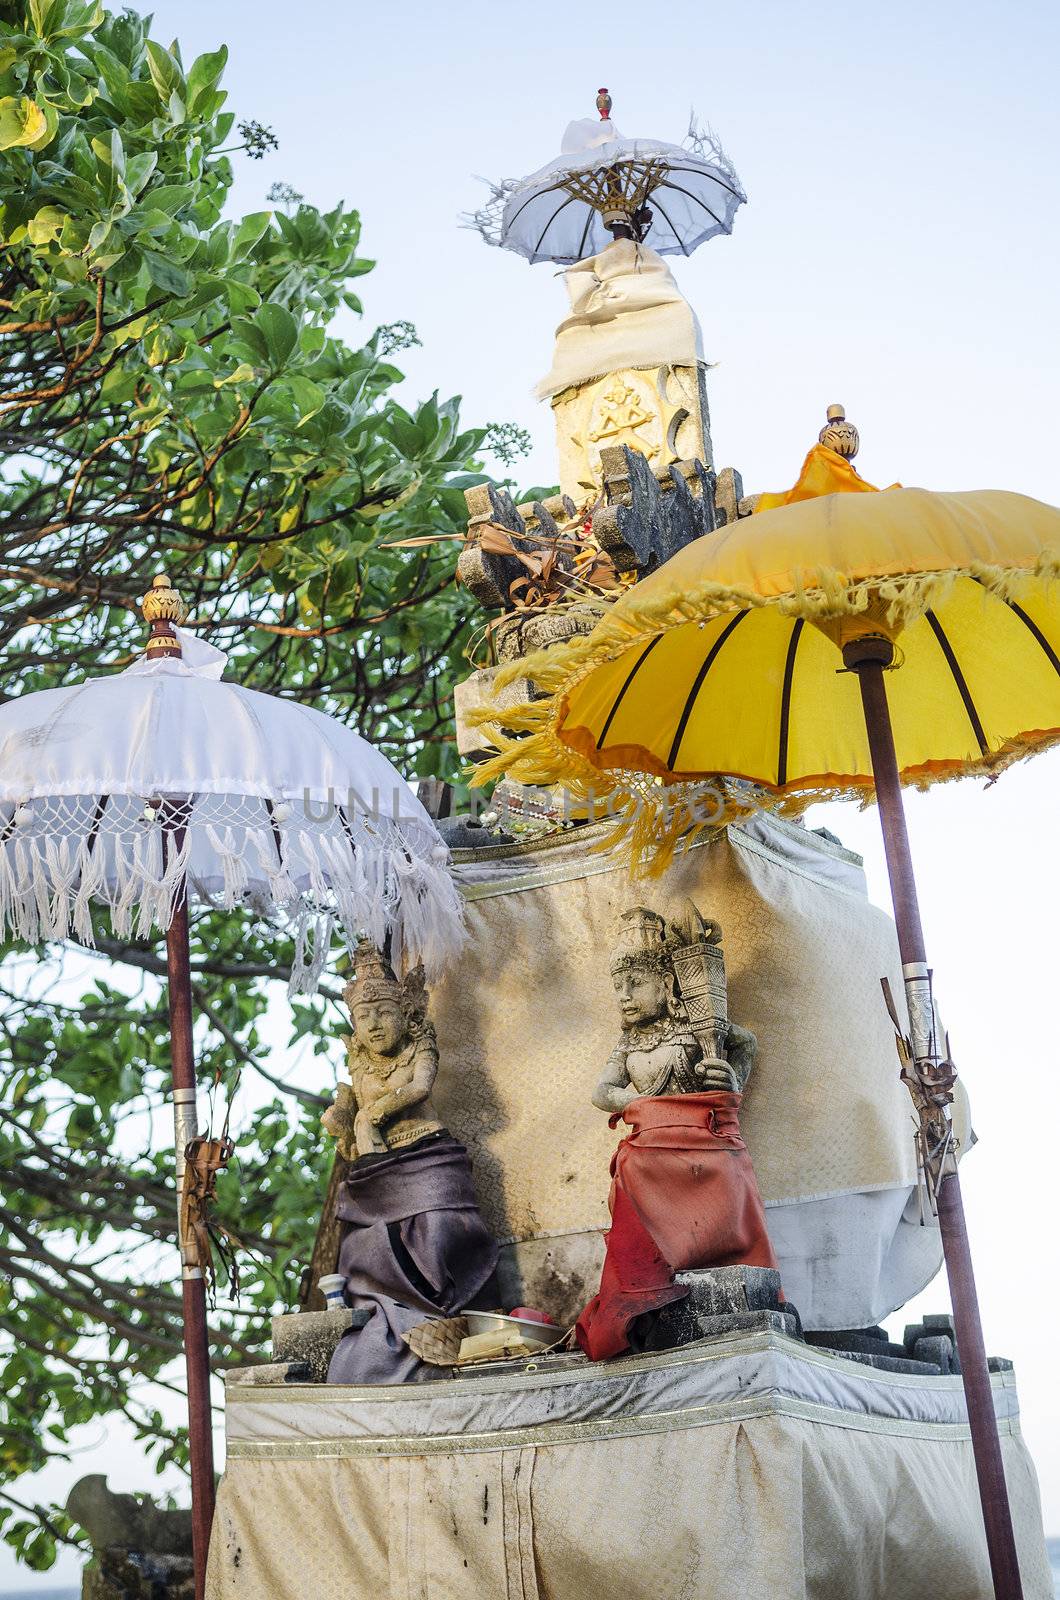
<point x="413" y="1246"/>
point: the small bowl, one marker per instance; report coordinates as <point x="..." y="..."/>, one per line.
<point x="541" y="1334"/>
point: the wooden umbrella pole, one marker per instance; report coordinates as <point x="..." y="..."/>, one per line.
<point x="868" y="657"/>
<point x="193" y="1287"/>
<point x="163" y="609"/>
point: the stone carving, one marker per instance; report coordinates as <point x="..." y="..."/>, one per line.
<point x="662" y="414"/>
<point x="648" y="518"/>
<point x="392" y="1057"/>
<point x="127" y="1521"/>
<point x="497" y="565"/>
<point x="411" y="1240"/>
<point x="676" y="1036"/>
<point x="683" y="1190"/>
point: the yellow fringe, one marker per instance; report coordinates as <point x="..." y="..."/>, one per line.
<point x="652" y="819"/>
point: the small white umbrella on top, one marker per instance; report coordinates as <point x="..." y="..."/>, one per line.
<point x="603" y="186"/>
<point x="149" y="786"/>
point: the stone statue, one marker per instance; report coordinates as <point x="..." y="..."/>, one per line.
<point x="127" y="1521"/>
<point x="412" y="1241"/>
<point x="683" y="1191"/>
<point x="661" y="1051"/>
<point x="392" y="1057"/>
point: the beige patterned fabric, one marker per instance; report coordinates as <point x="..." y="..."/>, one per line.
<point x="626" y="311"/>
<point x="528" y="1018"/>
<point x="751" y="1467"/>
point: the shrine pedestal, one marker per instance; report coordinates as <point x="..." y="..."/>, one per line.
<point x="752" y="1465"/>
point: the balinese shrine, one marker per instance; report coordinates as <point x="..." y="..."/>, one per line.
<point x="620" y="1202"/>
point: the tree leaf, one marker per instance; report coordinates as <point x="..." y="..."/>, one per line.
<point x="204" y="75"/>
<point x="165" y="72"/>
<point x="21" y="121"/>
<point x="280" y="331"/>
<point x="46" y="225"/>
<point x="167" y="274"/>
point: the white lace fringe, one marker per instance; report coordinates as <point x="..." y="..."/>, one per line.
<point x="374" y="888"/>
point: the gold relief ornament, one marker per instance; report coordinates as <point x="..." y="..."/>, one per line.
<point x="840" y="435"/>
<point x="162" y="607"/>
<point x="392" y="1058"/>
<point x="618" y="413"/>
<point x="661" y="414"/>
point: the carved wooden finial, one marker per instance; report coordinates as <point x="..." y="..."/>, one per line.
<point x="838" y="434"/>
<point x="162" y="607"/>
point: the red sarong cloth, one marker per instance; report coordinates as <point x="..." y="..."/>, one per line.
<point x="683" y="1194"/>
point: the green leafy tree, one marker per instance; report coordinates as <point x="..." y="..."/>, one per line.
<point x="171" y="398"/>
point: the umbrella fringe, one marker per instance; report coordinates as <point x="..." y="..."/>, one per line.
<point x="313" y="932"/>
<point x="650" y="819"/>
<point x="819" y="594"/>
<point x="91" y="871"/>
<point x="47" y="886"/>
<point x="273" y="864"/>
<point x="233" y="865"/>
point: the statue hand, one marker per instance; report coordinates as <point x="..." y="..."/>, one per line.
<point x="741" y="1047"/>
<point x="610" y="1098"/>
<point x="714" y="1073"/>
<point x="339" y="1120"/>
<point x="366" y="1132"/>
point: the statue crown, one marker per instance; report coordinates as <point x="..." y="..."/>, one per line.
<point x="373" y="977"/>
<point x="641" y="941"/>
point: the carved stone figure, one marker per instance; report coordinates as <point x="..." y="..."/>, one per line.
<point x="683" y="1193"/>
<point x="392" y="1057"/>
<point x="660" y="1052"/>
<point x="412" y="1241"/>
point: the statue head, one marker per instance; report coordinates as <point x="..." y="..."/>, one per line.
<point x="387" y="1012"/>
<point x="380" y="1024"/>
<point x="641" y="969"/>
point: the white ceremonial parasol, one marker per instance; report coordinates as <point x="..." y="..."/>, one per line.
<point x="123" y="788"/>
<point x="163" y="782"/>
<point x="602" y="186"/>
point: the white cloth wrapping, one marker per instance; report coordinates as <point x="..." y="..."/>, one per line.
<point x="626" y="311"/>
<point x="261" y="800"/>
<point x="528" y="1019"/>
<point x="752" y="1466"/>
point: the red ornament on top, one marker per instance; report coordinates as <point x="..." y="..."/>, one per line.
<point x="603" y="104"/>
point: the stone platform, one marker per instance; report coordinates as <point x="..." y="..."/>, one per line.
<point x="754" y="1464"/>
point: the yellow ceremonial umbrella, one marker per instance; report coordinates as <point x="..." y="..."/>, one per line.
<point x="835" y="644"/>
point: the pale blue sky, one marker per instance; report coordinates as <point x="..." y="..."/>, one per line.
<point x="898" y="253"/>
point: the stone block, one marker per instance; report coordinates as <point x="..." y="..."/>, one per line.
<point x="645" y="522"/>
<point x="468" y="833"/>
<point x="883" y="1363"/>
<point x="721" y="1301"/>
<point x="523" y="632"/>
<point x="683" y="1323"/>
<point x="936" y="1326"/>
<point x="475" y="692"/>
<point x="311" y="1337"/>
<point x="724" y="1291"/>
<point x="858" y="1339"/>
<point x="115" y="1574"/>
<point x="270" y="1373"/>
<point x="728" y="492"/>
<point x="938" y="1349"/>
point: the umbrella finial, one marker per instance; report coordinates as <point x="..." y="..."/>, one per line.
<point x="603" y="104"/>
<point x="838" y="434"/>
<point x="162" y="607"/>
